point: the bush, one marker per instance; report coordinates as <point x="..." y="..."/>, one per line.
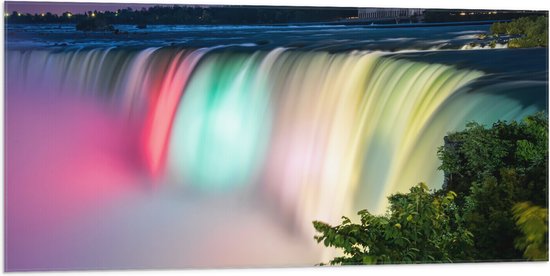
<point x="532" y="31"/>
<point x="492" y="169"/>
<point x="420" y="227"/>
<point x="532" y="220"/>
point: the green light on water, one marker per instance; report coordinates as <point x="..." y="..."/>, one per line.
<point x="221" y="125"/>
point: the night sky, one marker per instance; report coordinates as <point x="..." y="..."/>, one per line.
<point x="59" y="8"/>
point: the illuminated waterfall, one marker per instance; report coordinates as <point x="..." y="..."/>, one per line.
<point x="317" y="134"/>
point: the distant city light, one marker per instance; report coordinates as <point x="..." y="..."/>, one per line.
<point x="42" y="14"/>
<point x="462" y="13"/>
<point x="18" y="14"/>
<point x="6" y="14"/>
<point x="93" y="14"/>
<point x="69" y="14"/>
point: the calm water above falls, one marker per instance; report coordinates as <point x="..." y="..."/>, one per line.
<point x="330" y="38"/>
<point x="217" y="146"/>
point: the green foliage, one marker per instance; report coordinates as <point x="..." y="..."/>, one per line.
<point x="531" y="31"/>
<point x="533" y="222"/>
<point x="420" y="227"/>
<point x="478" y="153"/>
<point x="488" y="216"/>
<point x="493" y="169"/>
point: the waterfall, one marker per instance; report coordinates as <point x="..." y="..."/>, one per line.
<point x="317" y="134"/>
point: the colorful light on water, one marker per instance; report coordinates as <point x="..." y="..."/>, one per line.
<point x="163" y="104"/>
<point x="271" y="139"/>
<point x="221" y="125"/>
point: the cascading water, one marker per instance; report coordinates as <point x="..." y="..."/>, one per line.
<point x="317" y="135"/>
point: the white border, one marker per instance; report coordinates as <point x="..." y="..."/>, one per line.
<point x="403" y="270"/>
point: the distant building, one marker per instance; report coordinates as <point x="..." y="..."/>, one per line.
<point x="384" y="13"/>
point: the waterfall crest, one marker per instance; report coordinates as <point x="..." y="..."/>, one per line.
<point x="319" y="134"/>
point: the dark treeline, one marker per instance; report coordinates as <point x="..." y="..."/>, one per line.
<point x="432" y="16"/>
<point x="197" y="15"/>
<point x="194" y="15"/>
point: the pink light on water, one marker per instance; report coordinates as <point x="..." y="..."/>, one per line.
<point x="164" y="103"/>
<point x="65" y="160"/>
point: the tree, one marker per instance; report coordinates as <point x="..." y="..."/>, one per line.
<point x="492" y="169"/>
<point x="419" y="227"/>
<point x="532" y="220"/>
<point x="478" y="153"/>
<point x="530" y="31"/>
